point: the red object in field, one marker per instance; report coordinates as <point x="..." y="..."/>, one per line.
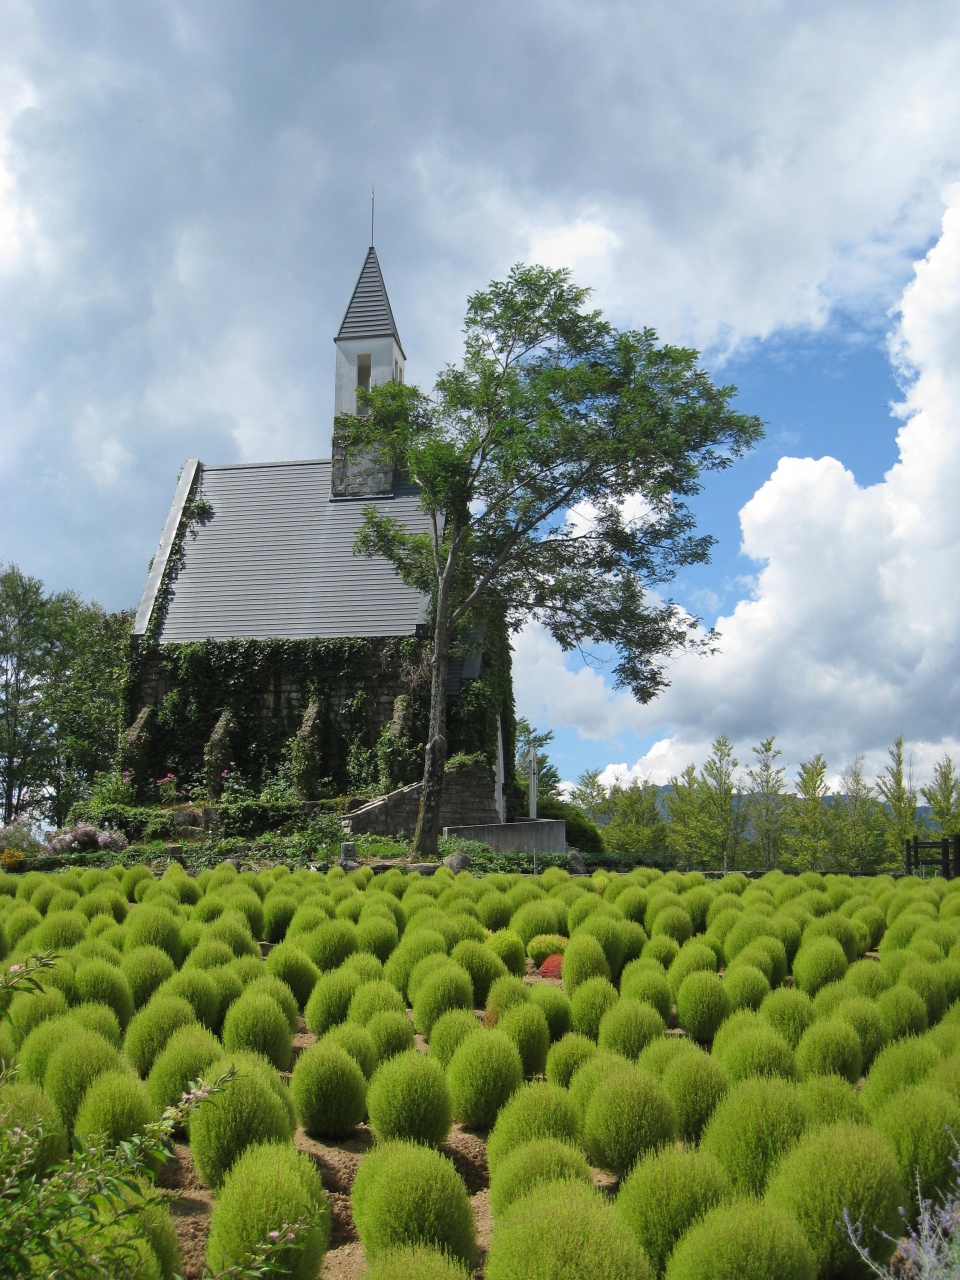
<point x="551" y="967"/>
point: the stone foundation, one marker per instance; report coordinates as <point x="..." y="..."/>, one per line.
<point x="468" y="799"/>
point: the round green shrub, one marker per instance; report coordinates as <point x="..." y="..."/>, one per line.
<point x="903" y="1012"/>
<point x="665" y="1194"/>
<point x="556" y="1009"/>
<point x="59" y="932"/>
<point x="818" y="962"/>
<point x="409" y="1100"/>
<point x="658" y="1054"/>
<point x="745" y="985"/>
<point x="566" y="1057"/>
<point x="703" y="1003"/>
<point x="269" y="1187"/>
<point x="28" y="1009"/>
<point x="628" y="1116"/>
<point x="72" y="1068"/>
<point x="564" y="1229"/>
<point x="329" y="1091"/>
<point x="278" y="911"/>
<point x="743" y="1241"/>
<point x="423" y="969"/>
<point x="526" y="1026"/>
<point x="628" y="1026"/>
<point x="26" y="1106"/>
<point x="185" y="1058"/>
<point x="483" y="966"/>
<point x="695" y="1083"/>
<point x="830" y="1100"/>
<point x="609" y="933"/>
<point x="494" y="910"/>
<point x="247" y="1111"/>
<point x="527" y="1167"/>
<point x="836" y="1170"/>
<point x="145" y="968"/>
<point x="508" y="946"/>
<point x="645" y="980"/>
<point x="545" y="945"/>
<point x="357" y="1043"/>
<point x="256" y="1023"/>
<point x="420" y="1261"/>
<point x="751" y="1129"/>
<point x="330" y="943"/>
<point x="330" y="1001"/>
<point x="279" y="992"/>
<point x="504" y="994"/>
<point x="583" y="960"/>
<point x="447" y="988"/>
<point x="590" y="1001"/>
<point x="432" y="1210"/>
<point x="116" y="1106"/>
<point x="866" y="978"/>
<point x="534" y="1111"/>
<point x="533" y="918"/>
<point x="35" y="1051"/>
<point x="391" y="1033"/>
<point x="198" y="989"/>
<point x="695" y="957"/>
<point x="449" y="1032"/>
<point x="153" y="927"/>
<point x="829" y="1048"/>
<point x="151" y="1028"/>
<point x="210" y="953"/>
<point x="19" y="923"/>
<point x="377" y="935"/>
<point x="756" y="1051"/>
<point x="673" y="923"/>
<point x="929" y="986"/>
<point x="295" y="968"/>
<point x="484" y="1073"/>
<point x="789" y="1011"/>
<point x="919" y="1124"/>
<point x="374" y="997"/>
<point x="895" y="1068"/>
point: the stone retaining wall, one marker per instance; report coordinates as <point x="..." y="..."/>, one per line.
<point x="468" y="799"/>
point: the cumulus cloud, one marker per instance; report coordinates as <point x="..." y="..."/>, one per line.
<point x="851" y="634"/>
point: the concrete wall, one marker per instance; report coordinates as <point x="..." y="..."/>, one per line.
<point x="386" y="362"/>
<point x="468" y="798"/>
<point x="545" y="835"/>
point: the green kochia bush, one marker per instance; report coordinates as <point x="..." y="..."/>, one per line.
<point x="836" y="1170"/>
<point x="449" y="1032"/>
<point x="503" y="995"/>
<point x="752" y="1128"/>
<point x="628" y="1026"/>
<point x="556" y="1009"/>
<point x="828" y="1048"/>
<point x="355" y="1041"/>
<point x="28" y="1009"/>
<point x="405" y="1194"/>
<point x="564" y="1229"/>
<point x="447" y="988"/>
<point x="483" y="966"/>
<point x="903" y="1012"/>
<point x="895" y="1068"/>
<point x="695" y="1083"/>
<point x="484" y="1072"/>
<point x="269" y="1187"/>
<point x="789" y="1011"/>
<point x="72" y="1068"/>
<point x="329" y="1092"/>
<point x="583" y="959"/>
<point x="185" y="1057"/>
<point x="526" y="1167"/>
<point x="567" y="1056"/>
<point x="35" y="1051"/>
<point x="526" y="1026"/>
<point x="919" y="1124"/>
<point x="645" y="980"/>
<point x="409" y="1100"/>
<point x="117" y="1105"/>
<point x="152" y="1027"/>
<point x="145" y="969"/>
<point x="818" y="962"/>
<point x="743" y="1241"/>
<point x="830" y="1100"/>
<point x="246" y="1112"/>
<point x="101" y="983"/>
<point x="590" y="1001"/>
<point x="153" y="927"/>
<point x="756" y="1051"/>
<point x="535" y="1111"/>
<point x="628" y="1116"/>
<point x="703" y="1004"/>
<point x="295" y="968"/>
<point x="391" y="1033"/>
<point x="199" y="990"/>
<point x="665" y="1194"/>
<point x="330" y="1000"/>
<point x="374" y="997"/>
<point x="418" y="1261"/>
<point x="26" y="1106"/>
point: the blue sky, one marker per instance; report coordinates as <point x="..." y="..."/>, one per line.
<point x="183" y="212"/>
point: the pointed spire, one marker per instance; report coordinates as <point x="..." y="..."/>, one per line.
<point x="369" y="314"/>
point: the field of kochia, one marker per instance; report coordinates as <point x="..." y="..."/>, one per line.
<point x="726" y="1074"/>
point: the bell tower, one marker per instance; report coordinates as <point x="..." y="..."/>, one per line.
<point x="368" y="354"/>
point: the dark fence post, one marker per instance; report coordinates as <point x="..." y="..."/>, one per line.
<point x="945" y="857"/>
<point x="955" y="841"/>
<point x="906" y="855"/>
<point x="916" y="853"/>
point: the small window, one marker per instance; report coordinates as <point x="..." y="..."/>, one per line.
<point x="396" y="371"/>
<point x="363" y="379"/>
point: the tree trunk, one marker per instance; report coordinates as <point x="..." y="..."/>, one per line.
<point x="435" y="756"/>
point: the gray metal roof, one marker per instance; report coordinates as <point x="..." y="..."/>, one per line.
<point x="275" y="560"/>
<point x="369" y="314"/>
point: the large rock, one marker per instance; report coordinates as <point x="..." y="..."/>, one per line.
<point x="456" y="862"/>
<point x="577" y="865"/>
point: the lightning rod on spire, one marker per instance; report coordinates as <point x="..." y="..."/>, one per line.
<point x="373" y="196"/>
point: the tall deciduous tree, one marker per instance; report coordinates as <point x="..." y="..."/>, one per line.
<point x="810" y="839"/>
<point x="554" y="462"/>
<point x="686" y="837"/>
<point x="856" y="824"/>
<point x="767" y="803"/>
<point x="943" y="797"/>
<point x="897" y="788"/>
<point x="724" y="813"/>
<point x="636" y="824"/>
<point x="26" y="647"/>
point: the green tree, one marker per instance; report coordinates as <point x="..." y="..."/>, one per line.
<point x="551" y="410"/>
<point x="767" y="804"/>
<point x="548" y="775"/>
<point x="26" y="646"/>
<point x="898" y="790"/>
<point x="592" y="797"/>
<point x="724" y="813"/>
<point x="943" y="797"/>
<point x="687" y="835"/>
<point x="810" y="840"/>
<point x="856" y="825"/>
<point x="636" y="824"/>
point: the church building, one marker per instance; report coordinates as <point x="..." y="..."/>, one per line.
<point x="263" y="642"/>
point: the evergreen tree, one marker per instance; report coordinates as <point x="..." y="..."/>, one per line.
<point x="943" y="797"/>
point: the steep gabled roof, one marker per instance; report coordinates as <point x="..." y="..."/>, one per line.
<point x="369" y="314"/>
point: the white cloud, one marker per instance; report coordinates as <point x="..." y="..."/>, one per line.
<point x="851" y="634"/>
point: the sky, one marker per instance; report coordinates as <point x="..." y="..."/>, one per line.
<point x="184" y="201"/>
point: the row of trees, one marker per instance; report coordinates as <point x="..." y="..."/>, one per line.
<point x="720" y="816"/>
<point x="62" y="670"/>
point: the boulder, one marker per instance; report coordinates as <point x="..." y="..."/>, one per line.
<point x="576" y="863"/>
<point x="456" y="862"/>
